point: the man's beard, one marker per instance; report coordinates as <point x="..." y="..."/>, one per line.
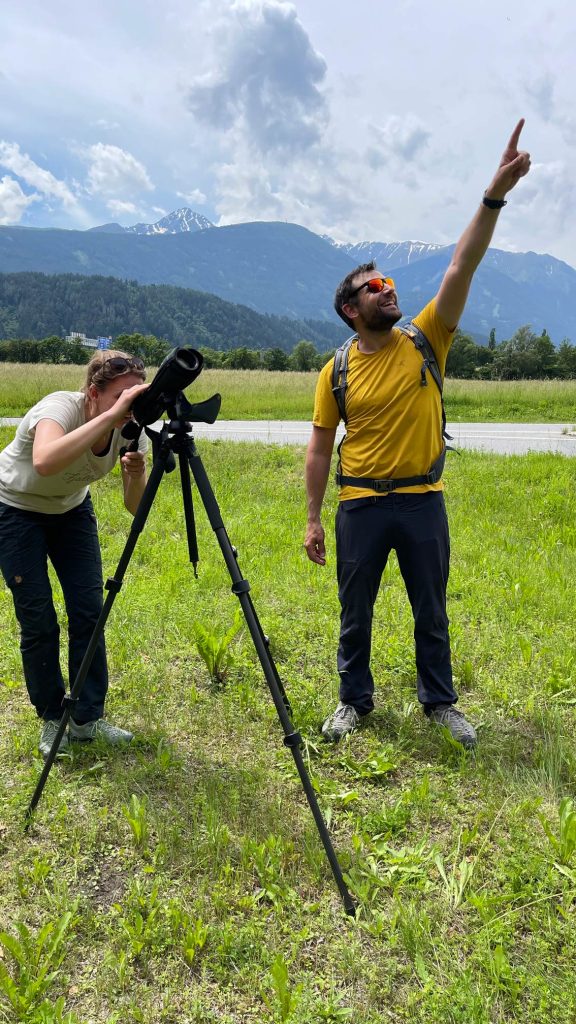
<point x="382" y="318"/>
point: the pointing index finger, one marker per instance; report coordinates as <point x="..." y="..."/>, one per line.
<point x="515" y="137"/>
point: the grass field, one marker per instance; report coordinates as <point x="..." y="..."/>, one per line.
<point x="257" y="394"/>
<point x="183" y="881"/>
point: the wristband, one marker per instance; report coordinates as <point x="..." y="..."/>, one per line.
<point x="493" y="204"/>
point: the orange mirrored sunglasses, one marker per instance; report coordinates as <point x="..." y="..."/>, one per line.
<point x="375" y="284"/>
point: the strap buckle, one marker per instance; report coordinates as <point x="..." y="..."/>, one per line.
<point x="383" y="486"/>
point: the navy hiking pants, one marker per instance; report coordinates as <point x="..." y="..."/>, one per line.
<point x="367" y="529"/>
<point x="70" y="541"/>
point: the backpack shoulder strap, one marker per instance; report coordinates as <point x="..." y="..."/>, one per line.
<point x="429" y="362"/>
<point x="340" y="375"/>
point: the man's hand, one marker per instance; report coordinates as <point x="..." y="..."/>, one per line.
<point x="453" y="291"/>
<point x="314" y="542"/>
<point x="514" y="165"/>
<point x="318" y="457"/>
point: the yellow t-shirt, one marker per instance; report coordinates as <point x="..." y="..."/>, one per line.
<point x="394" y="425"/>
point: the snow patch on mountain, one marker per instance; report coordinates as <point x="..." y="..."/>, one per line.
<point x="389" y="255"/>
<point x="174" y="223"/>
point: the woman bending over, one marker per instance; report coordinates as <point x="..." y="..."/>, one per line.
<point x="65" y="442"/>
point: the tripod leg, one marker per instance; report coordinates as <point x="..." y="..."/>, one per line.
<point x="188" y="511"/>
<point x="112" y="586"/>
<point x="292" y="739"/>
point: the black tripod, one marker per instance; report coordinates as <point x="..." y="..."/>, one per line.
<point x="176" y="439"/>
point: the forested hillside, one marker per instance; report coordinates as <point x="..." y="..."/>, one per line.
<point x="34" y="305"/>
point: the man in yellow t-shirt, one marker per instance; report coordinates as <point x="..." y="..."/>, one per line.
<point x="393" y="440"/>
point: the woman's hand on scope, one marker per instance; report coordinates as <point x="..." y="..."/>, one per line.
<point x="121" y="408"/>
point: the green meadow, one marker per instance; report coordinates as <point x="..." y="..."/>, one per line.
<point x="183" y="881"/>
<point x="263" y="395"/>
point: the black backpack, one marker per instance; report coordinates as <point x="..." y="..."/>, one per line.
<point x="340" y="384"/>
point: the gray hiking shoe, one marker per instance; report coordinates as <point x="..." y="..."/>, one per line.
<point x="47" y="737"/>
<point x="100" y="729"/>
<point x="344" y="720"/>
<point x="457" y="725"/>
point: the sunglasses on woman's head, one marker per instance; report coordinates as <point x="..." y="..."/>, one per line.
<point x="122" y="364"/>
<point x="375" y="284"/>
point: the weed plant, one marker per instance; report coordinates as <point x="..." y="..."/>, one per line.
<point x="183" y="880"/>
<point x="263" y="395"/>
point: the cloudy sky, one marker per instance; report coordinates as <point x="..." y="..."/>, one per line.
<point x="363" y="121"/>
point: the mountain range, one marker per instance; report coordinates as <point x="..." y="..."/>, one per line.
<point x="285" y="270"/>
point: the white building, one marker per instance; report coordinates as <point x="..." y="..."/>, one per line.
<point x="89" y="342"/>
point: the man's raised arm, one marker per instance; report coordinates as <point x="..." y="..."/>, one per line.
<point x="453" y="292"/>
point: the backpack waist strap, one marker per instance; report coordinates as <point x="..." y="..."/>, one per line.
<point x="433" y="475"/>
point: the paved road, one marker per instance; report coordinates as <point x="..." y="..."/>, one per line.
<point x="504" y="438"/>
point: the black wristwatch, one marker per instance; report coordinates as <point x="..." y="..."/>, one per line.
<point x="493" y="204"/>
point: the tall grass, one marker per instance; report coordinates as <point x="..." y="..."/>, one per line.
<point x="184" y="879"/>
<point x="521" y="401"/>
<point x="258" y="394"/>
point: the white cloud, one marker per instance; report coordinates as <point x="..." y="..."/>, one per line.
<point x="37" y="177"/>
<point x="543" y="205"/>
<point x="13" y="201"/>
<point x="265" y="78"/>
<point x="402" y="137"/>
<point x="193" y="198"/>
<point x="266" y="117"/>
<point x="567" y="125"/>
<point x="541" y="93"/>
<point x="114" y="172"/>
<point x="376" y="158"/>
<point x="549" y="190"/>
<point x="104" y="125"/>
<point x="121" y="208"/>
<point x="320" y="193"/>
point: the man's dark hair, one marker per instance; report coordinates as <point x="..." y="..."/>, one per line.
<point x="345" y="289"/>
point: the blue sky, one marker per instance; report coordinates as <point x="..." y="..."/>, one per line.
<point x="365" y="122"/>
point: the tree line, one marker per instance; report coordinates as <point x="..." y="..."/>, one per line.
<point x="525" y="356"/>
<point x="304" y="356"/>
